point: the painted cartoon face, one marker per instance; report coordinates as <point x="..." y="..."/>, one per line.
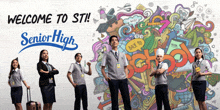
<point x="113" y="28"/>
<point x="183" y="13"/>
<point x="177" y="27"/>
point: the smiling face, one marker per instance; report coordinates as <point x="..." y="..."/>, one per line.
<point x="78" y="57"/>
<point x="198" y="54"/>
<point x="114" y="42"/>
<point x="44" y="55"/>
<point x="113" y="28"/>
<point x="159" y="58"/>
<point x="15" y="64"/>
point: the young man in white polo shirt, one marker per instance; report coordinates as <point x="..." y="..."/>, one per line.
<point x="78" y="82"/>
<point x="160" y="74"/>
<point x="117" y="74"/>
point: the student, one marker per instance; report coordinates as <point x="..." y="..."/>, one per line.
<point x="15" y="78"/>
<point x="79" y="83"/>
<point x="198" y="80"/>
<point x="160" y="74"/>
<point x="117" y="74"/>
<point x="46" y="81"/>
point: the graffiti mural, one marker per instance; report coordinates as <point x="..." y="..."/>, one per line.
<point x="141" y="32"/>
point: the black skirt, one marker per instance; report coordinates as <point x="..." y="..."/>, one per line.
<point x="16" y="94"/>
<point x="48" y="93"/>
<point x="199" y="88"/>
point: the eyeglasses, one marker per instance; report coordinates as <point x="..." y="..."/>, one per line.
<point x="79" y="55"/>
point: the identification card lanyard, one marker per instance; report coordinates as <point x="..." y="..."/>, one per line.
<point x="82" y="75"/>
<point x="117" y="58"/>
<point x="197" y="68"/>
<point x="199" y="63"/>
<point x="49" y="69"/>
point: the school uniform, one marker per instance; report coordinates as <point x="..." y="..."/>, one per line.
<point x="161" y="89"/>
<point x="116" y="61"/>
<point x="16" y="87"/>
<point x="47" y="82"/>
<point x="199" y="82"/>
<point x="78" y="72"/>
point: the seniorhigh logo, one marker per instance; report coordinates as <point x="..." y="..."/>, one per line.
<point x="57" y="39"/>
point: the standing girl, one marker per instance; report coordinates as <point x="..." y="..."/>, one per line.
<point x="15" y="78"/>
<point x="200" y="68"/>
<point x="46" y="81"/>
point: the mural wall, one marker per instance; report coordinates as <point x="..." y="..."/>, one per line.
<point x="142" y="31"/>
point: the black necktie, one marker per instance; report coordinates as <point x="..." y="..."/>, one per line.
<point x="80" y="67"/>
<point x="197" y="63"/>
<point x="156" y="75"/>
<point x="116" y="55"/>
<point x="158" y="66"/>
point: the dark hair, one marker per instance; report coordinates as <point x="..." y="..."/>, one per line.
<point x="195" y="52"/>
<point x="41" y="52"/>
<point x="10" y="73"/>
<point x="77" y="55"/>
<point x="110" y="39"/>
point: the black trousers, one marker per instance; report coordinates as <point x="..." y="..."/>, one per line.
<point x="81" y="93"/>
<point x="161" y="92"/>
<point x="114" y="85"/>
